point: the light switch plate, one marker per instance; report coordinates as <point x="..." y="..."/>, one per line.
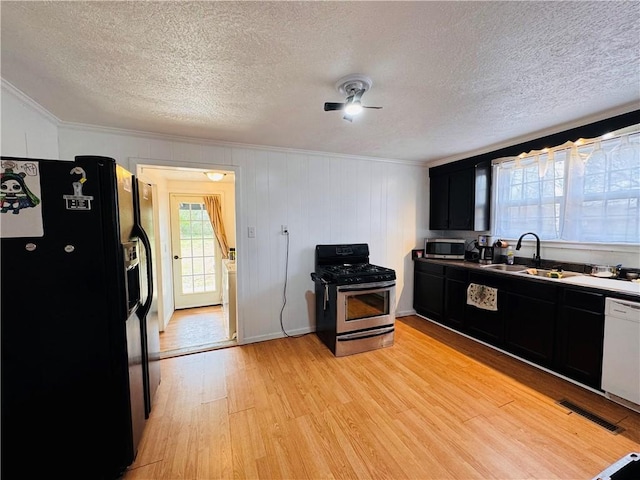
<point x="251" y="231"/>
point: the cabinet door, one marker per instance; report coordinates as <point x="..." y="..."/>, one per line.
<point x="580" y="345"/>
<point x="487" y="325"/>
<point x="428" y="294"/>
<point x="461" y="200"/>
<point x="580" y="336"/>
<point x="439" y="203"/>
<point x="455" y="297"/>
<point x="455" y="302"/>
<point x="530" y="328"/>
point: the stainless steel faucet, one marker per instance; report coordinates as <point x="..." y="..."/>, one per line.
<point x="536" y="257"/>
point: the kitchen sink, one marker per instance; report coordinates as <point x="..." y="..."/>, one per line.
<point x="504" y="267"/>
<point x="526" y="271"/>
<point x="540" y="272"/>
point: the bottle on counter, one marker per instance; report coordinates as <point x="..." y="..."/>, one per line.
<point x="510" y="255"/>
<point x="232" y="254"/>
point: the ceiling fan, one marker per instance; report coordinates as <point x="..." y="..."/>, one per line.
<point x="353" y="86"/>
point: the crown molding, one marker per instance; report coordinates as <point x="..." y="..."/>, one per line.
<point x="221" y="143"/>
<point x="29" y="102"/>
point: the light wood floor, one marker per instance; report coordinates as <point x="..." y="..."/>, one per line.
<point x="435" y="405"/>
<point x="194" y="330"/>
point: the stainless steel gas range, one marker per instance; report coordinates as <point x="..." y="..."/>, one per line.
<point x="355" y="300"/>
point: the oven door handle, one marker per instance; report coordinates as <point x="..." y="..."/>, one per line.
<point x="366" y="334"/>
<point x="368" y="286"/>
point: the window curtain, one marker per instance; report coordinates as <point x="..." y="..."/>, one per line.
<point x="528" y="196"/>
<point x="586" y="191"/>
<point x="603" y="192"/>
<point x="214" y="209"/>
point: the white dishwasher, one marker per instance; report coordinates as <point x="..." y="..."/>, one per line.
<point x="621" y="354"/>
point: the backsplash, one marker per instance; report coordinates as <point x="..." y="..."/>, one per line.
<point x="559" y="252"/>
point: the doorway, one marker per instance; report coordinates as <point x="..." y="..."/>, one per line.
<point x="194" y="330"/>
<point x="182" y="321"/>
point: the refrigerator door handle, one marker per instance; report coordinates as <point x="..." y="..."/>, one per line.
<point x="147" y="246"/>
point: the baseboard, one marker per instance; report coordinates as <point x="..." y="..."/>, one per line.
<point x="273" y="336"/>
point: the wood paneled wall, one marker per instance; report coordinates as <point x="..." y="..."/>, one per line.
<point x="321" y="198"/>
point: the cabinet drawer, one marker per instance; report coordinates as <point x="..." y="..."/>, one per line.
<point x="427" y="267"/>
<point x="537" y="290"/>
<point x="460" y="274"/>
<point x="496" y="281"/>
<point x="592" y="302"/>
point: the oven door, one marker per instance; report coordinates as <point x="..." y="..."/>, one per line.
<point x="365" y="306"/>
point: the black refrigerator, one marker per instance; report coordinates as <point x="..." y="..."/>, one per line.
<point x="80" y="358"/>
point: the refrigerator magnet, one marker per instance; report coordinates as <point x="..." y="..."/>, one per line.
<point x="20" y="206"/>
<point x="78" y="201"/>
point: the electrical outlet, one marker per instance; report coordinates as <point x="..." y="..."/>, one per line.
<point x="251" y="232"/>
<point x="283" y="229"/>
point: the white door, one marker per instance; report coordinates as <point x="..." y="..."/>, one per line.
<point x="197" y="262"/>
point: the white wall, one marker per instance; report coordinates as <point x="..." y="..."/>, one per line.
<point x="321" y="198"/>
<point x="162" y="260"/>
<point x="27" y="129"/>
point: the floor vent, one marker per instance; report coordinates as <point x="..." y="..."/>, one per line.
<point x="591" y="416"/>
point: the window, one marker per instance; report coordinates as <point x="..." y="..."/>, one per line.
<point x="197" y="249"/>
<point x="587" y="191"/>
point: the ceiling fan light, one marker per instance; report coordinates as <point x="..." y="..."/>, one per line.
<point x="353" y="108"/>
<point x="215" y="176"/>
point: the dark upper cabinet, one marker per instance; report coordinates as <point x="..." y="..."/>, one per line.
<point x="461" y="194"/>
<point x="460" y="198"/>
<point x="439" y="203"/>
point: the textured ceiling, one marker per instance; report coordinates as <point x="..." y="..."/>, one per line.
<point x="453" y="77"/>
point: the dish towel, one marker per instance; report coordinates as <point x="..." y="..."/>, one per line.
<point x="482" y="296"/>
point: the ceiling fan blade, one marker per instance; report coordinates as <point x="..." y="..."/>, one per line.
<point x="372" y="107"/>
<point x="328" y="106"/>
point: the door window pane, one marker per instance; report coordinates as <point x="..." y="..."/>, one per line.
<point x="197" y="248"/>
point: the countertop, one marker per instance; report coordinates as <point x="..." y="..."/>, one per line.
<point x="584" y="280"/>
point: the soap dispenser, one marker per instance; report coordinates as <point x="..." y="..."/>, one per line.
<point x="510" y="255"/>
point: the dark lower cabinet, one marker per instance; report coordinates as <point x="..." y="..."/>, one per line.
<point x="552" y="325"/>
<point x="455" y="296"/>
<point x="428" y="289"/>
<point x="530" y="320"/>
<point x="487" y="325"/>
<point x="580" y="334"/>
<point x="530" y="328"/>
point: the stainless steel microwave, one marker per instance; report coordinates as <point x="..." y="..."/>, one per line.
<point x="449" y="248"/>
